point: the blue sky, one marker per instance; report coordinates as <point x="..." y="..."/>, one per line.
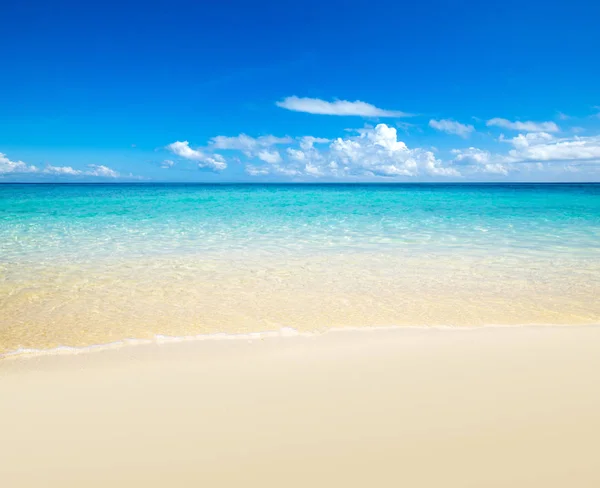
<point x="303" y="91"/>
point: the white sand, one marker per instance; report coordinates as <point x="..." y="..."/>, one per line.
<point x="497" y="407"/>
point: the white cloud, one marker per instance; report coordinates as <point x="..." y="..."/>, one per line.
<point x="101" y="170"/>
<point x="536" y="151"/>
<point x="496" y="168"/>
<point x="529" y="139"/>
<point x="480" y="161"/>
<point x="377" y="152"/>
<point x="270" y="157"/>
<point x="19" y="167"/>
<point x="543" y="147"/>
<point x="256" y="171"/>
<point x="246" y="143"/>
<point x="452" y="127"/>
<point x="258" y="147"/>
<point x="284" y="171"/>
<point x="523" y="126"/>
<point x="297" y="155"/>
<point x="270" y="140"/>
<point x="471" y="155"/>
<point x="216" y="162"/>
<point x="373" y="152"/>
<point x="308" y="142"/>
<point x="338" y="107"/>
<point x="312" y="170"/>
<point x="7" y="166"/>
<point x="183" y="149"/>
<point x="167" y="163"/>
<point x="62" y="170"/>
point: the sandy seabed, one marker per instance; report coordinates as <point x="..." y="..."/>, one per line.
<point x="413" y="407"/>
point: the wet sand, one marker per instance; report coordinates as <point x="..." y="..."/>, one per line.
<point x="489" y="407"/>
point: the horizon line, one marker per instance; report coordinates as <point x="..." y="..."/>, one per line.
<point x="116" y="183"/>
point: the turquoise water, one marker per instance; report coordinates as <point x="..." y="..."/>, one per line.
<point x="82" y="222"/>
<point x="93" y="264"/>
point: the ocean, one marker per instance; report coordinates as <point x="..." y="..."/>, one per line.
<point x="89" y="264"/>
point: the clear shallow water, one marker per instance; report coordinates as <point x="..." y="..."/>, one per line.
<point x="82" y="222"/>
<point x="100" y="262"/>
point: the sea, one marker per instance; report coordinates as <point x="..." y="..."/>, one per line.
<point x="85" y="265"/>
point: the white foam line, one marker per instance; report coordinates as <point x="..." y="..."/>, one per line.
<point x="284" y="332"/>
<point x="158" y="339"/>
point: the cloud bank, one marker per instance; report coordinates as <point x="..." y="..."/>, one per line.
<point x="378" y="153"/>
<point x="372" y="152"/>
<point x="8" y="167"/>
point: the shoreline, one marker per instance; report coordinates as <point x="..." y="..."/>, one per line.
<point x="282" y="333"/>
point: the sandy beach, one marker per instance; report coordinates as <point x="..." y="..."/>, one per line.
<point x="416" y="407"/>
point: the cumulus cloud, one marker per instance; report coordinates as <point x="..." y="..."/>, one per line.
<point x="167" y="163"/>
<point x="19" y="167"/>
<point x="259" y="147"/>
<point x="183" y="149"/>
<point x="377" y="152"/>
<point x="523" y="126"/>
<point x="525" y="140"/>
<point x="216" y="162"/>
<point x="337" y="107"/>
<point x="452" y="127"/>
<point x="471" y="155"/>
<point x="543" y="147"/>
<point x="531" y="151"/>
<point x="480" y="161"/>
<point x="373" y="152"/>
<point x="7" y="166"/>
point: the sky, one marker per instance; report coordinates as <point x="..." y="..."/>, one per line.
<point x="227" y="91"/>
